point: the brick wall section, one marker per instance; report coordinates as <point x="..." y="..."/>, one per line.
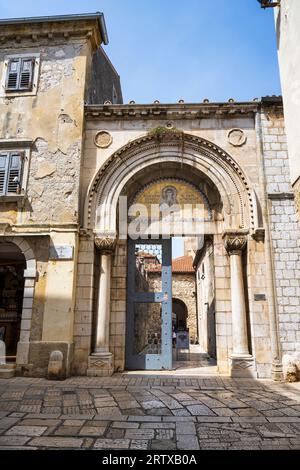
<point x="284" y="232"/>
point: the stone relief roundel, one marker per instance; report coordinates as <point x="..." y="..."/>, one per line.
<point x="237" y="137"/>
<point x="103" y="139"/>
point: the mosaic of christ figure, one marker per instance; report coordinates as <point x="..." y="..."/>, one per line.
<point x="168" y="197"/>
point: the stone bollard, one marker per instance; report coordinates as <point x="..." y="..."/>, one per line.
<point x="55" y="366"/>
<point x="291" y="373"/>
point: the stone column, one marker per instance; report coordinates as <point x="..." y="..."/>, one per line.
<point x="101" y="360"/>
<point x="242" y="363"/>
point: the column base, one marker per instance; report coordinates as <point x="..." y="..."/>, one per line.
<point x="100" y="365"/>
<point x="242" y="365"/>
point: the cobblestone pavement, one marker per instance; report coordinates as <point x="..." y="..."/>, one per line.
<point x="159" y="413"/>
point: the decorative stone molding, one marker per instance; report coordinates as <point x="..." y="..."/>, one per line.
<point x="57" y="29"/>
<point x="103" y="139"/>
<point x="235" y="241"/>
<point x="106" y="244"/>
<point x="104" y="190"/>
<point x="259" y="234"/>
<point x="180" y="110"/>
<point x="100" y="365"/>
<point x="237" y="137"/>
<point x="243" y="366"/>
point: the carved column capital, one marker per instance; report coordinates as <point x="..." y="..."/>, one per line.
<point x="235" y="241"/>
<point x="105" y="244"/>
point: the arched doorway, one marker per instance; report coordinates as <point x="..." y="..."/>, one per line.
<point x="230" y="202"/>
<point x="179" y="314"/>
<point x="12" y="266"/>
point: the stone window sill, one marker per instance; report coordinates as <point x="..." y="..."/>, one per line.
<point x="13" y="198"/>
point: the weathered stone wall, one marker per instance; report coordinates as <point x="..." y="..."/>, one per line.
<point x="105" y="82"/>
<point x="184" y="288"/>
<point x="284" y="232"/>
<point x="53" y="119"/>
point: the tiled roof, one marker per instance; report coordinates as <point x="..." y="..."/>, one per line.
<point x="184" y="264"/>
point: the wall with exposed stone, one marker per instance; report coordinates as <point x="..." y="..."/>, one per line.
<point x="184" y="288"/>
<point x="52" y="118"/>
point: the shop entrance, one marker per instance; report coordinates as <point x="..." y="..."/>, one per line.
<point x="12" y="265"/>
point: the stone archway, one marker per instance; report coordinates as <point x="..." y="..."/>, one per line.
<point x="231" y="231"/>
<point x="179" y="309"/>
<point x="237" y="196"/>
<point x="29" y="285"/>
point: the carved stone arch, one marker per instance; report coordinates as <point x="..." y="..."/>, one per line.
<point x="27" y="252"/>
<point x="137" y="155"/>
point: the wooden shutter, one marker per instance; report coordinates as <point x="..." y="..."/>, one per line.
<point x="26" y="74"/>
<point x="14" y="173"/>
<point x="13" y="74"/>
<point x="4" y="160"/>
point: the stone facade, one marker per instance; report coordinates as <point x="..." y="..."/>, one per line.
<point x="285" y="233"/>
<point x="287" y="18"/>
<point x="65" y="216"/>
<point x="184" y="289"/>
<point x="48" y="123"/>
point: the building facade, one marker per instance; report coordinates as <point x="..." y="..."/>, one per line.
<point x="287" y="19"/>
<point x="74" y="159"/>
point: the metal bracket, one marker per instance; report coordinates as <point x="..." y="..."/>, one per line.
<point x="268" y="3"/>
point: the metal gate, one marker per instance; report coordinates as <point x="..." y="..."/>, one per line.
<point x="149" y="305"/>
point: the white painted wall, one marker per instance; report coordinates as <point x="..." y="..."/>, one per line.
<point x="287" y="21"/>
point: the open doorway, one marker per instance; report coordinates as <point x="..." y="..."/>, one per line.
<point x="193" y="313"/>
<point x="12" y="265"/>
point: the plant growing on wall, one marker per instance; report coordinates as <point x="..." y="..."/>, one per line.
<point x="161" y="132"/>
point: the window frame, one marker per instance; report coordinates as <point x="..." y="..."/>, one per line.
<point x="9" y="155"/>
<point x="23" y="148"/>
<point x="9" y="93"/>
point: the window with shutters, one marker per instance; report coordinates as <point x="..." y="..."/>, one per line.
<point x="11" y="166"/>
<point x="20" y="75"/>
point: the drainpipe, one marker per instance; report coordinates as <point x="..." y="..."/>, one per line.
<point x="276" y="371"/>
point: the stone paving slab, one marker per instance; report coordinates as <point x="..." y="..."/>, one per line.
<point x="156" y="412"/>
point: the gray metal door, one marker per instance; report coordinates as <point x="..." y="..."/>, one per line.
<point x="149" y="305"/>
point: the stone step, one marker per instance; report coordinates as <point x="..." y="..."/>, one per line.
<point x="7" y="371"/>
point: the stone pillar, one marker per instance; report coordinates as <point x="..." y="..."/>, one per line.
<point x="242" y="363"/>
<point x="100" y="363"/>
<point x="24" y="341"/>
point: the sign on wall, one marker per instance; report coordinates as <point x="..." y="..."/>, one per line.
<point x="61" y="252"/>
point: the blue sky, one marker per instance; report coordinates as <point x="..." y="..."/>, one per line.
<point x="180" y="49"/>
<point x="173" y="49"/>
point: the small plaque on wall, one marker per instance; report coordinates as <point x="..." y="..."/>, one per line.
<point x="260" y="297"/>
<point x="61" y="252"/>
